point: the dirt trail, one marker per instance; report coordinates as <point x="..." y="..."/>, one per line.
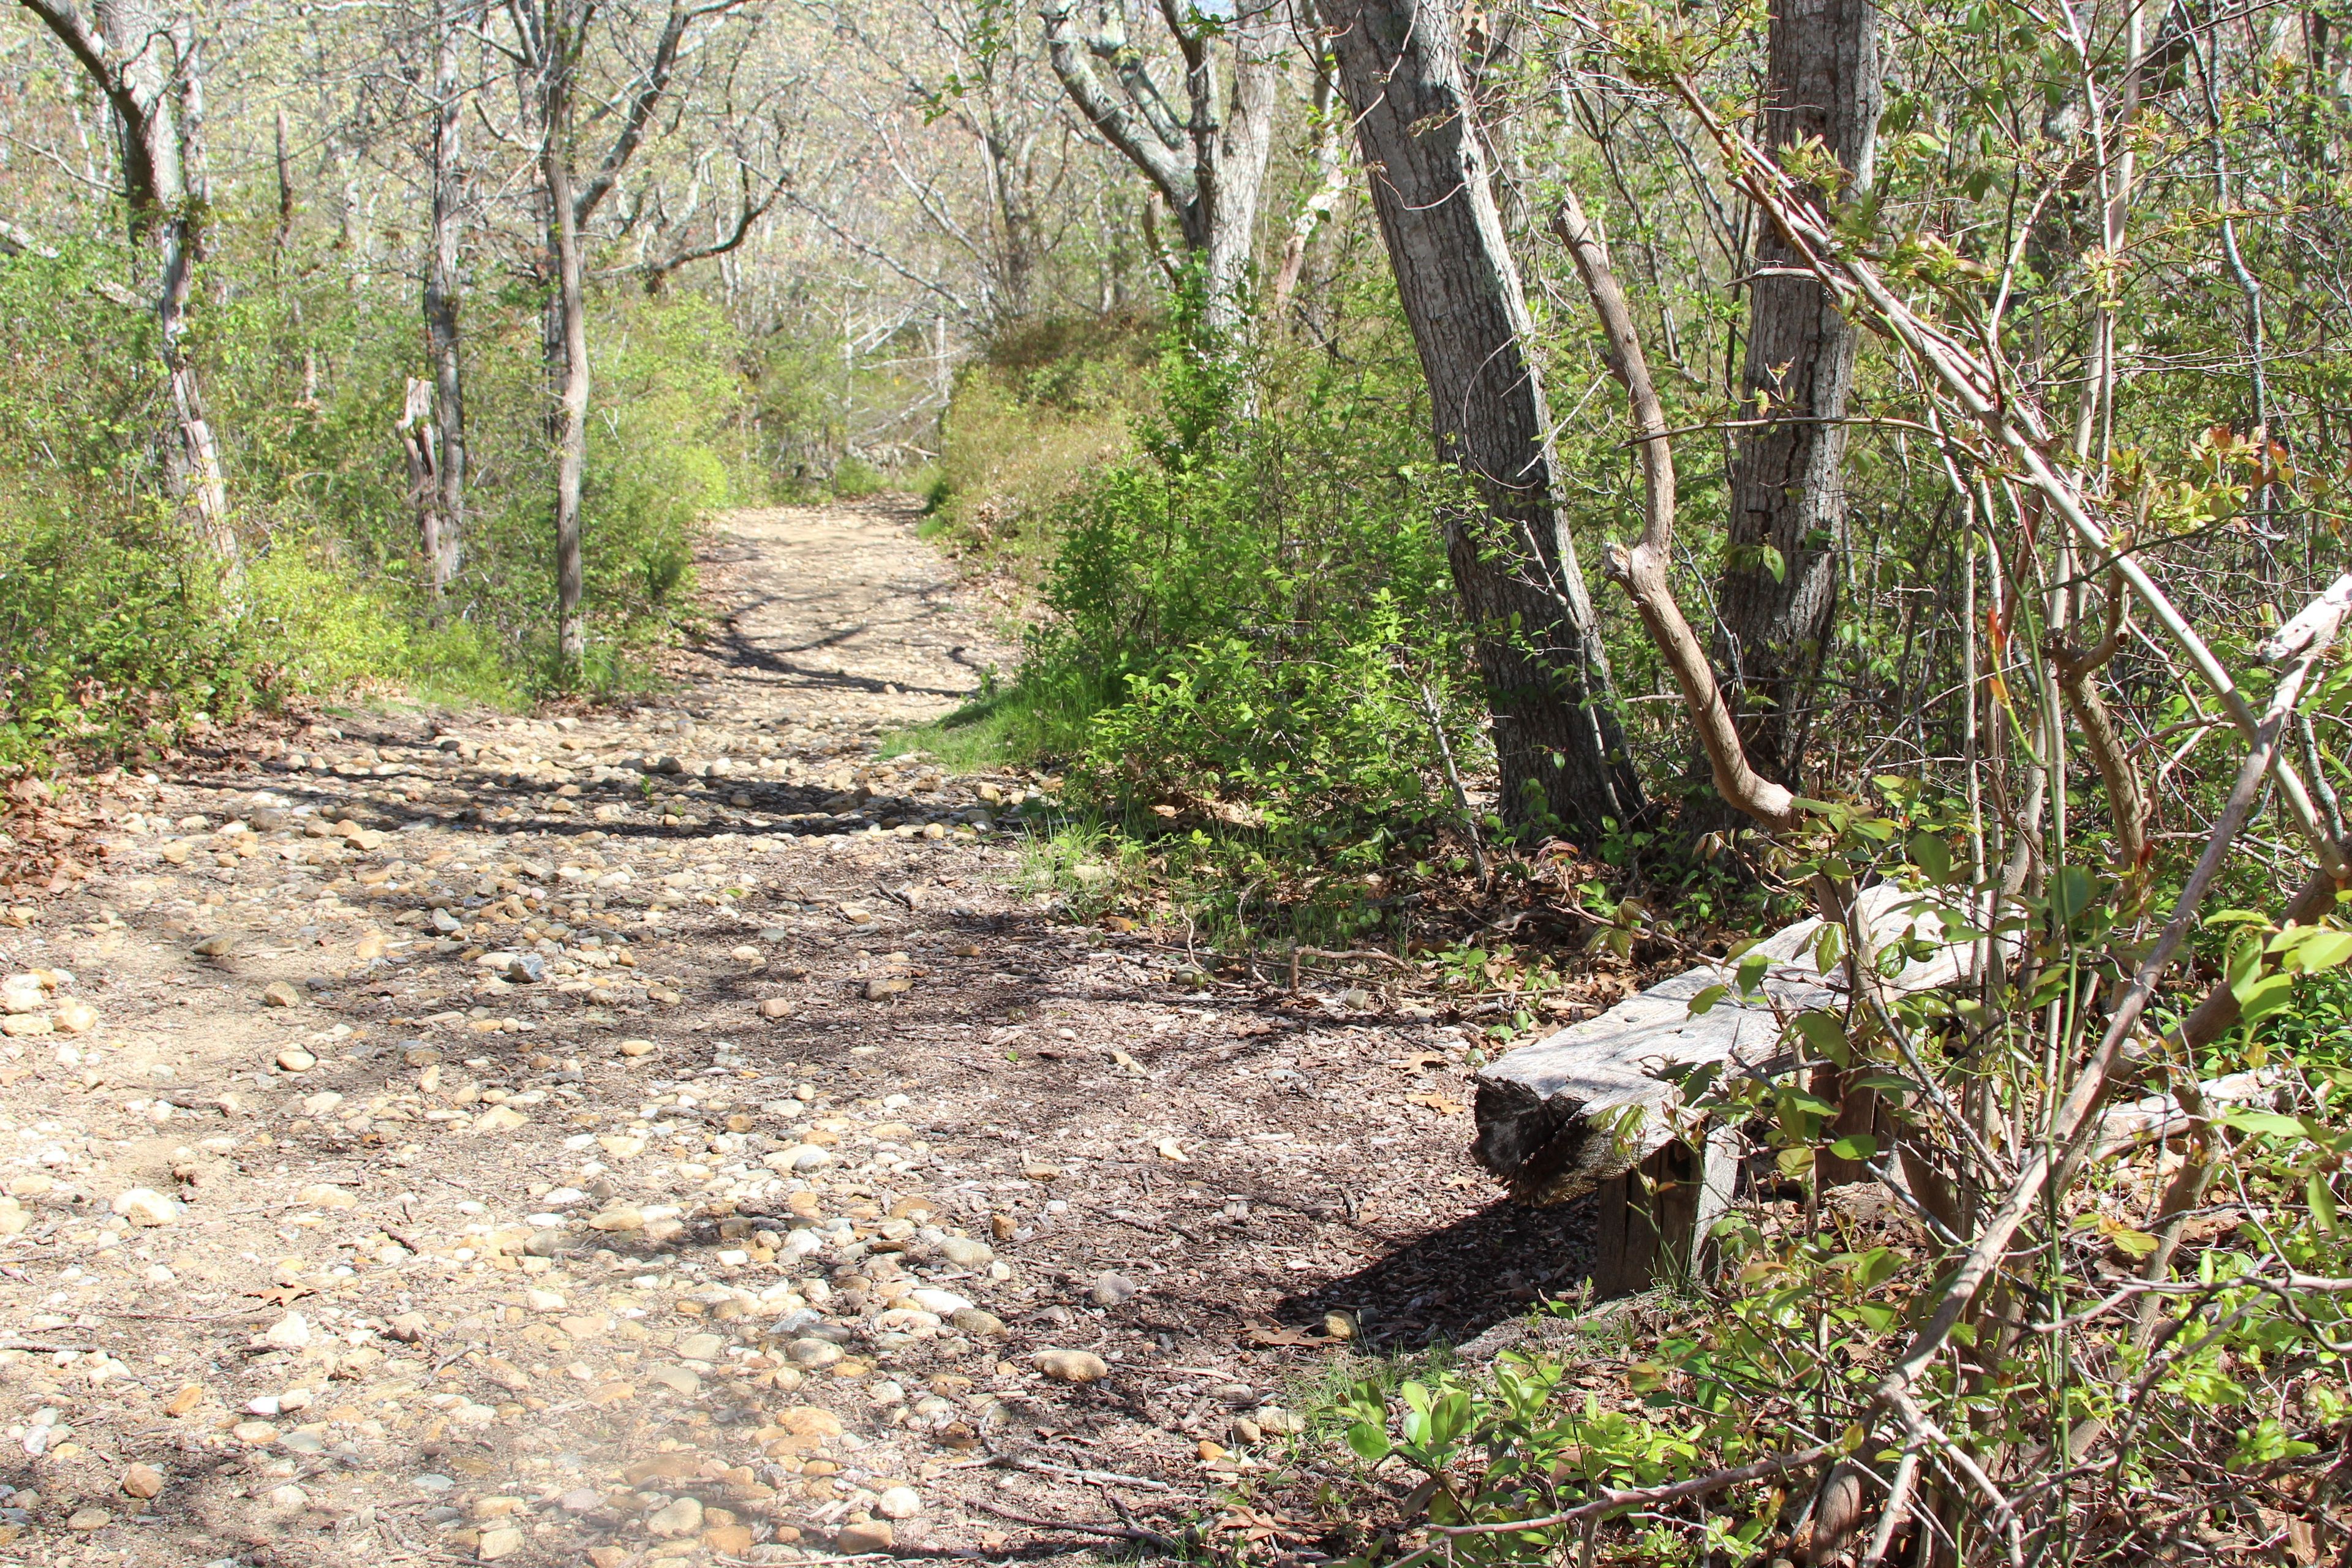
<point x="673" y="1136"/>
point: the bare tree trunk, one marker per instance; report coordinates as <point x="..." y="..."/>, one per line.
<point x="152" y="77"/>
<point x="445" y="552"/>
<point x="421" y="447"/>
<point x="1214" y="192"/>
<point x="1331" y="164"/>
<point x="571" y="432"/>
<point x="1787" y="531"/>
<point x="1557" y="736"/>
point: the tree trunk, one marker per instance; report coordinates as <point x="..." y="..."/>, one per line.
<point x="1557" y="737"/>
<point x="420" y="446"/>
<point x="1232" y="160"/>
<point x="445" y="551"/>
<point x="570" y="322"/>
<point x="152" y="78"/>
<point x="1778" y="597"/>
<point x="1214" y="192"/>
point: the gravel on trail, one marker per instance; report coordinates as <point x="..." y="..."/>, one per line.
<point x="674" y="1135"/>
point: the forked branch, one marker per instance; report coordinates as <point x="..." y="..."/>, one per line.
<point x="1641" y="568"/>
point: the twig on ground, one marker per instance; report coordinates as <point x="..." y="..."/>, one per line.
<point x="1114" y="1531"/>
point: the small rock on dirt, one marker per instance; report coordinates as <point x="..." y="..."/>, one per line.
<point x="1072" y="1366"/>
<point x="145" y="1206"/>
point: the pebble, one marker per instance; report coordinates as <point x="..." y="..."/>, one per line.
<point x="294" y="1059"/>
<point x="680" y="1516"/>
<point x="812" y="1354"/>
<point x="142" y="1481"/>
<point x="622" y="1217"/>
<point x="83" y="1520"/>
<point x="290" y="1333"/>
<point x="775" y="1007"/>
<point x="279" y="994"/>
<point x="889" y="985"/>
<point x="636" y="1048"/>
<point x="1072" y="1366"/>
<point x="899" y="1502"/>
<point x="76" y="1017"/>
<point x="1113" y="1289"/>
<point x="980" y="1322"/>
<point x="946" y="1303"/>
<point x="854" y="1539"/>
<point x="499" y="1541"/>
<point x="965" y="1252"/>
<point x="326" y="1196"/>
<point x="145" y="1206"/>
<point x="701" y="1347"/>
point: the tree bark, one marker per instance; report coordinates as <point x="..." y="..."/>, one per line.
<point x="571" y="320"/>
<point x="1557" y="737"/>
<point x="1787" y="529"/>
<point x="1210" y="168"/>
<point x="152" y="78"/>
<point x="445" y="552"/>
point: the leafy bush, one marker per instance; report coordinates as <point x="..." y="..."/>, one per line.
<point x="1031" y="422"/>
<point x="1253" y="614"/>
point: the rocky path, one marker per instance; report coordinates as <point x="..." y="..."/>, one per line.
<point x="676" y="1136"/>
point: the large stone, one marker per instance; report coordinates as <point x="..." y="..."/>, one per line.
<point x="876" y="1536"/>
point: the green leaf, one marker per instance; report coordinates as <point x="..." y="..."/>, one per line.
<point x="2129" y="1242"/>
<point x="1825" y="1035"/>
<point x="1707" y="999"/>
<point x="1775" y="564"/>
<point x="2262" y="994"/>
<point x="2323" y="950"/>
<point x="1932" y="856"/>
<point x="2071" y="894"/>
<point x="1886" y="1082"/>
<point x="1794" y="1163"/>
<point x="1372" y="1444"/>
<point x="1855" y="1146"/>
<point x="1751" y="973"/>
<point x="2265" y="1123"/>
<point x="2322" y="1199"/>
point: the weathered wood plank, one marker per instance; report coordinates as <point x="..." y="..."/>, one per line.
<point x="1552" y="1117"/>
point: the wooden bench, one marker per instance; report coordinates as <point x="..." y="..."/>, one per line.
<point x="1586" y="1109"/>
